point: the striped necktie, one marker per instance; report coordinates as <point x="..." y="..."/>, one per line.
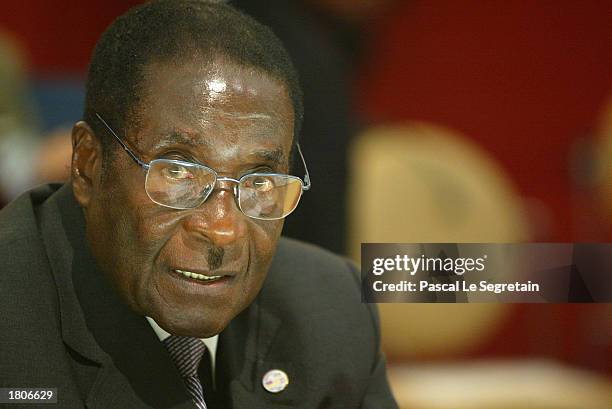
<point x="186" y="352"/>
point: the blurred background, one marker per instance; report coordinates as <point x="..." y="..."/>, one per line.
<point x="425" y="121"/>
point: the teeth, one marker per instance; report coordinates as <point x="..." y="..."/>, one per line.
<point x="198" y="276"/>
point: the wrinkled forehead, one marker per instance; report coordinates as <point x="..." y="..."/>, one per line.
<point x="217" y="102"/>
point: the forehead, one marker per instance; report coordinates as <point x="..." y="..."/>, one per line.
<point x="216" y="104"/>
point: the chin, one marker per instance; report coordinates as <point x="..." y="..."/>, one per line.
<point x="201" y="332"/>
<point x="183" y="326"/>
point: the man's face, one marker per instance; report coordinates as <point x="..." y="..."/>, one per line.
<point x="233" y="119"/>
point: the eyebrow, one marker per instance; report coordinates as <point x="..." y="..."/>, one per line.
<point x="176" y="137"/>
<point x="276" y="156"/>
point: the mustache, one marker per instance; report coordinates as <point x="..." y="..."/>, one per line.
<point x="215" y="257"/>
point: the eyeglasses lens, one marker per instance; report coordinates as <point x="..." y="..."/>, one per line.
<point x="269" y="196"/>
<point x="179" y="185"/>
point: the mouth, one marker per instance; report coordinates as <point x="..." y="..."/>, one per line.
<point x="200" y="277"/>
<point x="207" y="281"/>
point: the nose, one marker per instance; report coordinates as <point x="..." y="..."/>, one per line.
<point x="218" y="219"/>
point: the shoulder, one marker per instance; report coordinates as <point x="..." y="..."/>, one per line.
<point x="22" y="251"/>
<point x="26" y="285"/>
<point x="303" y="267"/>
<point x="294" y="255"/>
<point x="316" y="287"/>
<point x="18" y="218"/>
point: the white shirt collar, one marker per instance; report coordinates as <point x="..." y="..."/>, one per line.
<point x="211" y="343"/>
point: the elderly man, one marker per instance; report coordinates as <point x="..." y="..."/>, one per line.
<point x="157" y="278"/>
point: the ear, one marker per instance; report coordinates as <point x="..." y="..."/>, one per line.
<point x="86" y="162"/>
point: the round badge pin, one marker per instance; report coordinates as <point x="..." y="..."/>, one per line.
<point x="275" y="381"/>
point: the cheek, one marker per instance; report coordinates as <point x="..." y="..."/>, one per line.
<point x="138" y="227"/>
<point x="264" y="236"/>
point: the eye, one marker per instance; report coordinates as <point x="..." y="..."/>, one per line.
<point x="262" y="184"/>
<point x="177" y="172"/>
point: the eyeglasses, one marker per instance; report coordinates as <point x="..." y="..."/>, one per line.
<point x="182" y="185"/>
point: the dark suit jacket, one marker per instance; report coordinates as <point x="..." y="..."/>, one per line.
<point x="62" y="325"/>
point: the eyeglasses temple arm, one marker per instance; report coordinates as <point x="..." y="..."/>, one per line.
<point x="307" y="183"/>
<point x="125" y="147"/>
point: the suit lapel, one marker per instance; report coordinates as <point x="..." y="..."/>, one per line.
<point x="55" y="232"/>
<point x="245" y="354"/>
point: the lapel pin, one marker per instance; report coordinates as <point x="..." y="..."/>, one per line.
<point x="275" y="381"/>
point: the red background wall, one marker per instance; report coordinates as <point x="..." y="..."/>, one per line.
<point x="524" y="79"/>
<point x="59" y="35"/>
